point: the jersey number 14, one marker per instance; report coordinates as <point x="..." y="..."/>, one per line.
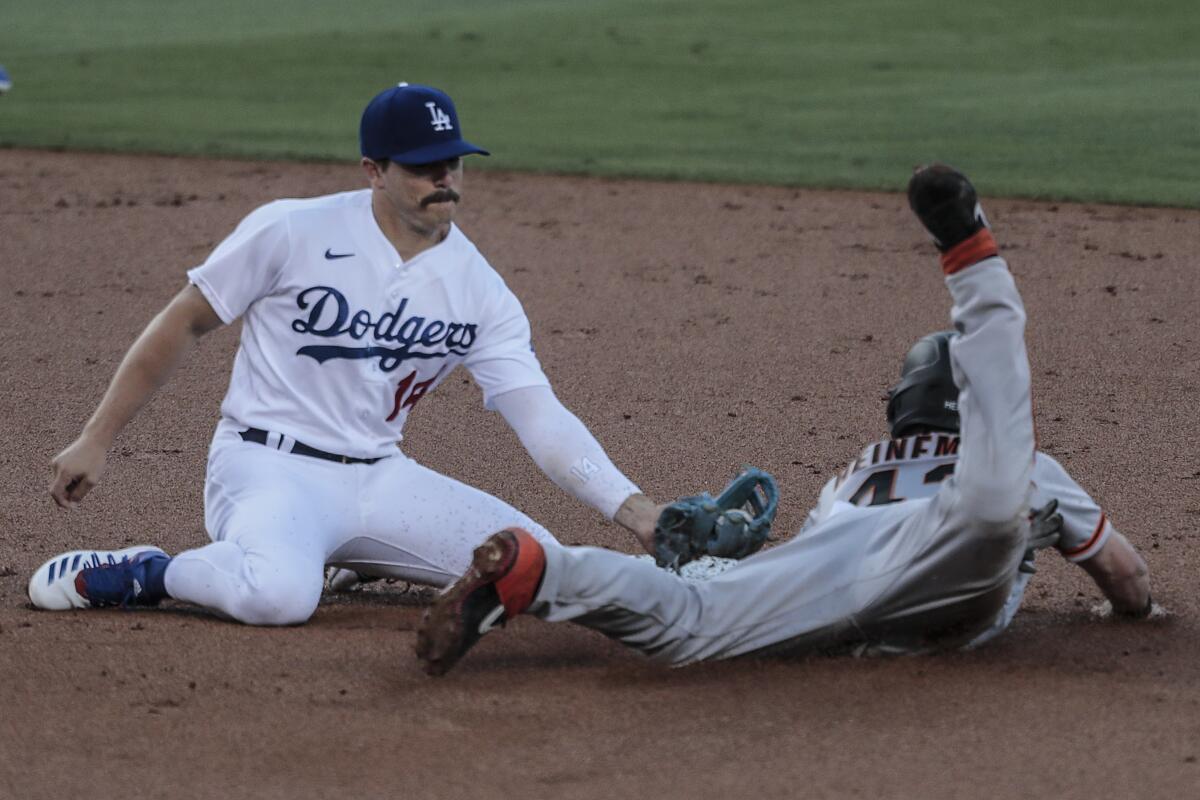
<point x="405" y="398"/>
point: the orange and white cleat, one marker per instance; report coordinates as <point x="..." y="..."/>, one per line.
<point x="504" y="576"/>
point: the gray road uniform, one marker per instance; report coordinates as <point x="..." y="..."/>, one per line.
<point x="915" y="547"/>
<point x="1085" y="530"/>
<point x="914" y="467"/>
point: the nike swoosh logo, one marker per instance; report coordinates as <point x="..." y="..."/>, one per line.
<point x="488" y="623"/>
<point x="330" y="255"/>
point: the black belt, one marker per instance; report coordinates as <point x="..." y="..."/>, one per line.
<point x="259" y="436"/>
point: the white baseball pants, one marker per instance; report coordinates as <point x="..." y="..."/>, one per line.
<point x="276" y="519"/>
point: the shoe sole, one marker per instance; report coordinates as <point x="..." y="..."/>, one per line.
<point x="49" y="587"/>
<point x="440" y="637"/>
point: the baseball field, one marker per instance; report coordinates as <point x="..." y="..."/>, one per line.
<point x="698" y="205"/>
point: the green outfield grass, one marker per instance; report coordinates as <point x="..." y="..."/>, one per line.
<point x="1078" y="100"/>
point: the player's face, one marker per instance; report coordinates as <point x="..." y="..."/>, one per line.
<point x="422" y="197"/>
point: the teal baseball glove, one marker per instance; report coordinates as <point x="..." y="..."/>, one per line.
<point x="734" y="524"/>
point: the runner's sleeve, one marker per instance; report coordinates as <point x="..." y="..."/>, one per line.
<point x="1085" y="526"/>
<point x="504" y="360"/>
<point x="991" y="370"/>
<point x="246" y="266"/>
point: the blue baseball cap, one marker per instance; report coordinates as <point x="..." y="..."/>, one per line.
<point x="412" y="124"/>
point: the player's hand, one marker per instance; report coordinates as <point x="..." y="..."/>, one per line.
<point x="638" y="514"/>
<point x="74" y="471"/>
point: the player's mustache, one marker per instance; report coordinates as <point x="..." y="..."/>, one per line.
<point x="440" y="196"/>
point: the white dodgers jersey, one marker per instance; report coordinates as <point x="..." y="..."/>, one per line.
<point x="341" y="337"/>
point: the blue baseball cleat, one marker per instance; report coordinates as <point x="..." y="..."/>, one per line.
<point x="5" y="81"/>
<point x="99" y="578"/>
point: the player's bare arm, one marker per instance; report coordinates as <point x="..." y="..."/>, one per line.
<point x="1091" y="541"/>
<point x="1122" y="576"/>
<point x="148" y="365"/>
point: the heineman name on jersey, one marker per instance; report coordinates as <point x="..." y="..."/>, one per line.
<point x="908" y="448"/>
<point x="329" y="315"/>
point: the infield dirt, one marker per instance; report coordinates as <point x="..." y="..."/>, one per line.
<point x="694" y="328"/>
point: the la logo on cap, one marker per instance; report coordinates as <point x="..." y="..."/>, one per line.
<point x="413" y="124"/>
<point x="440" y="119"/>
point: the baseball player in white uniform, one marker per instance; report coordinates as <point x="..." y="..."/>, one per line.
<point x="354" y="307"/>
<point x="922" y="543"/>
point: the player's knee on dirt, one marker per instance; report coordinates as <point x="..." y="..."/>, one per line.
<point x="272" y="598"/>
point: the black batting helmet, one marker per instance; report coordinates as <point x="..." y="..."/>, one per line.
<point x="926" y="396"/>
